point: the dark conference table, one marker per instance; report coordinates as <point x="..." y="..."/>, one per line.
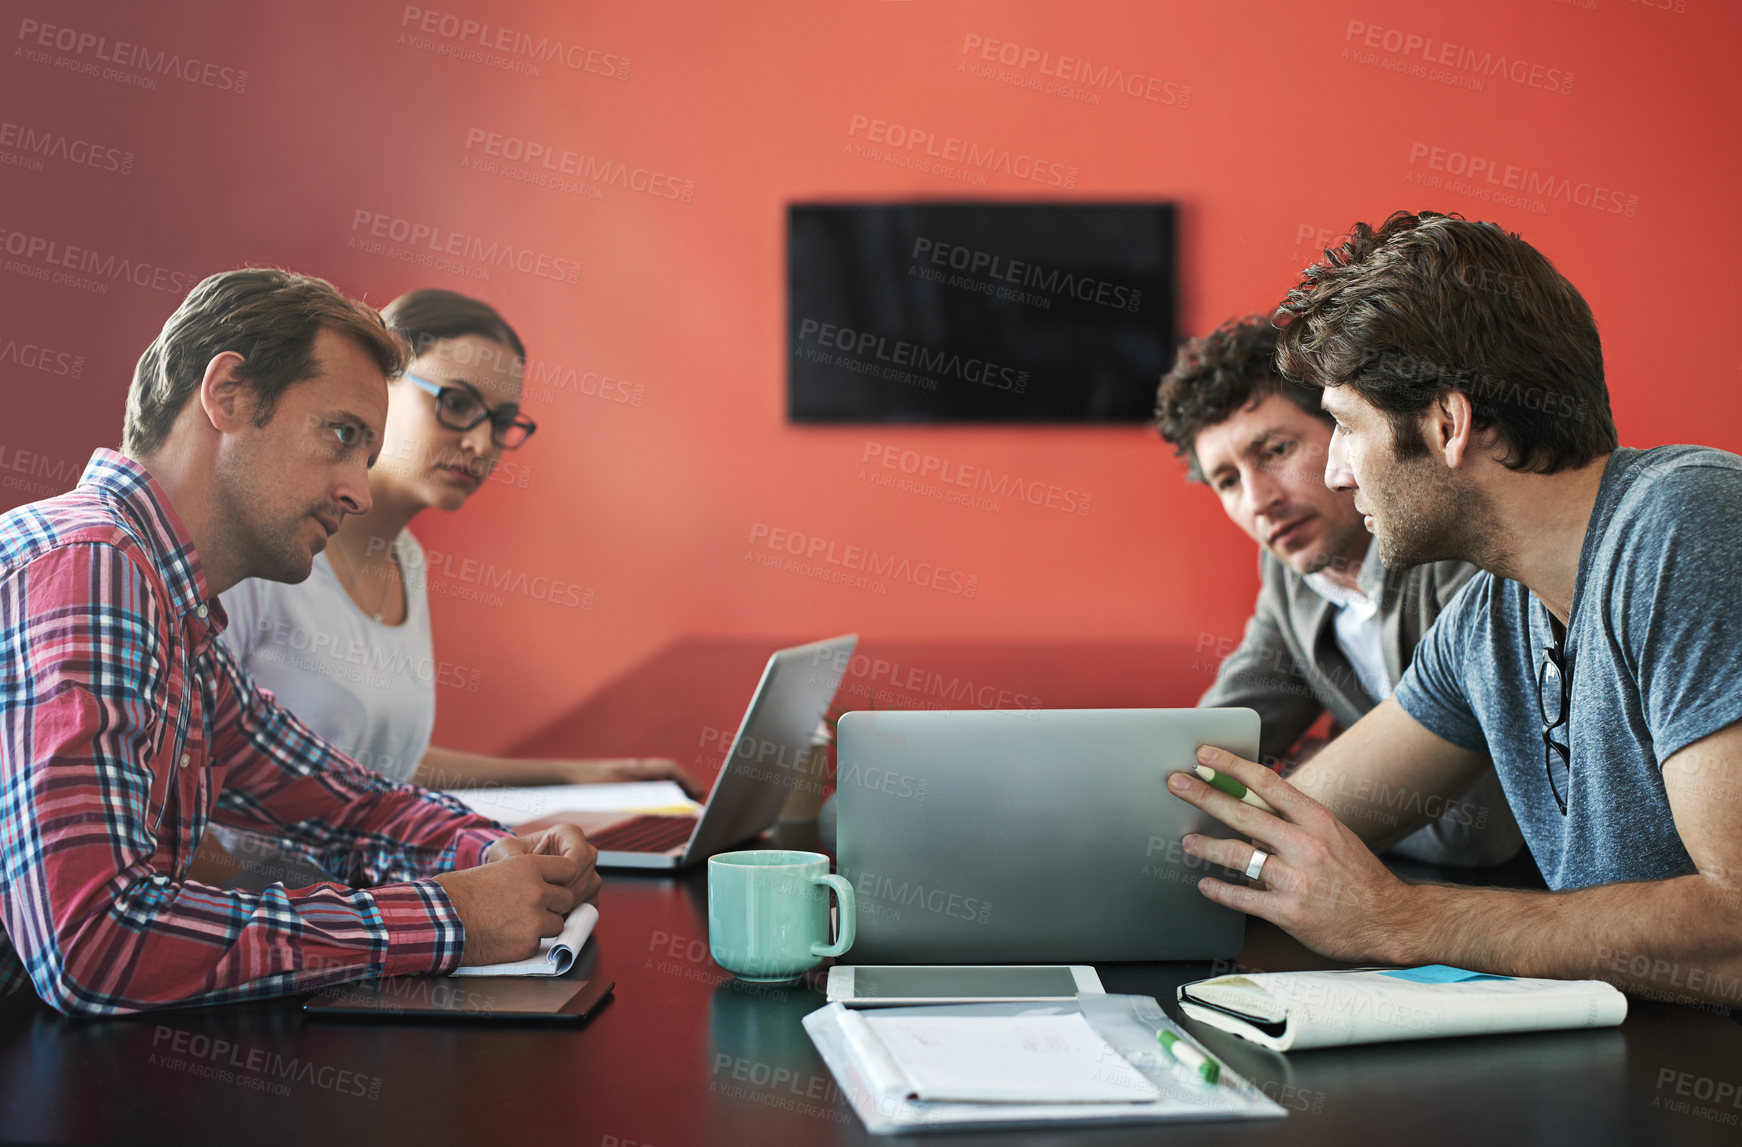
<point x="684" y="1055"/>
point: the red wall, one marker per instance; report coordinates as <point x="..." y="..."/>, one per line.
<point x="1269" y="123"/>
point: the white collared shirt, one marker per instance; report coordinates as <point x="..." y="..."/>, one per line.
<point x="1357" y="622"/>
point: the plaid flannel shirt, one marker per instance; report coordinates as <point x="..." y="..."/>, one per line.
<point x="124" y="727"/>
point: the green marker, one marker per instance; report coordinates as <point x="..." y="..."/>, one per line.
<point x="1232" y="787"/>
<point x="1200" y="1065"/>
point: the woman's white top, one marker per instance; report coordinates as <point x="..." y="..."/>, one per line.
<point x="366" y="687"/>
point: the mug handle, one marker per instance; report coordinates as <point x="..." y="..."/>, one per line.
<point x="844" y="934"/>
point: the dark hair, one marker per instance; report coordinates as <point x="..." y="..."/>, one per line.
<point x="1214" y="376"/>
<point x="269" y="317"/>
<point x="424" y="318"/>
<point x="1434" y="302"/>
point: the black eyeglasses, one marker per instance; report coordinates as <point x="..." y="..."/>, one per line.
<point x="460" y="408"/>
<point x="1554" y="667"/>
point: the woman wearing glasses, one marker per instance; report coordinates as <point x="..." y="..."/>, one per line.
<point x="349" y="650"/>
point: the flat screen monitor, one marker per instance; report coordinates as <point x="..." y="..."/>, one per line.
<point x="979" y="312"/>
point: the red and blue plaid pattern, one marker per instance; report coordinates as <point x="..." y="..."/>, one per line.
<point x="124" y="727"/>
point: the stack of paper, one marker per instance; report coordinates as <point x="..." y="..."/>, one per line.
<point x="1019" y="1065"/>
<point x="993" y="1059"/>
<point x="531" y="802"/>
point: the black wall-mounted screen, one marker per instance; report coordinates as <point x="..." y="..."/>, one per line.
<point x="978" y="312"/>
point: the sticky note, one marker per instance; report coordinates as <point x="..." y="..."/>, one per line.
<point x="1439" y="974"/>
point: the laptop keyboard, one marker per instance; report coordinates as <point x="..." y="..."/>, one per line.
<point x="644" y="834"/>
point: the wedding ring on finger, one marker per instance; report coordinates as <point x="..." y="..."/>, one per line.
<point x="1256" y="865"/>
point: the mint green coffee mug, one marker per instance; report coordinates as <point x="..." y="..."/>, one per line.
<point x="768" y="913"/>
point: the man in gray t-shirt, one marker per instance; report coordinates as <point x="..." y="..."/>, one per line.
<point x="1596" y="661"/>
<point x="1653" y="654"/>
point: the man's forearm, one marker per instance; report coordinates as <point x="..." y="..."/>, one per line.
<point x="1386" y="776"/>
<point x="284" y="781"/>
<point x="373" y="837"/>
<point x="1381" y="814"/>
<point x="167" y="943"/>
<point x="1677" y="940"/>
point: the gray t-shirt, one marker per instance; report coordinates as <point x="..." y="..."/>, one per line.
<point x="1655" y="649"/>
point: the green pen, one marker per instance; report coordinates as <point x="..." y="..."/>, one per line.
<point x="1232" y="787"/>
<point x="1190" y="1058"/>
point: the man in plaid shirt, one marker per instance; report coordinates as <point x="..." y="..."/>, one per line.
<point x="125" y="727"/>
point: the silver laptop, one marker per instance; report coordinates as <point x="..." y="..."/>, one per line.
<point x="762" y="765"/>
<point x="1030" y="836"/>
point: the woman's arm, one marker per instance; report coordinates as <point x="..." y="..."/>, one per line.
<point x="454" y="769"/>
